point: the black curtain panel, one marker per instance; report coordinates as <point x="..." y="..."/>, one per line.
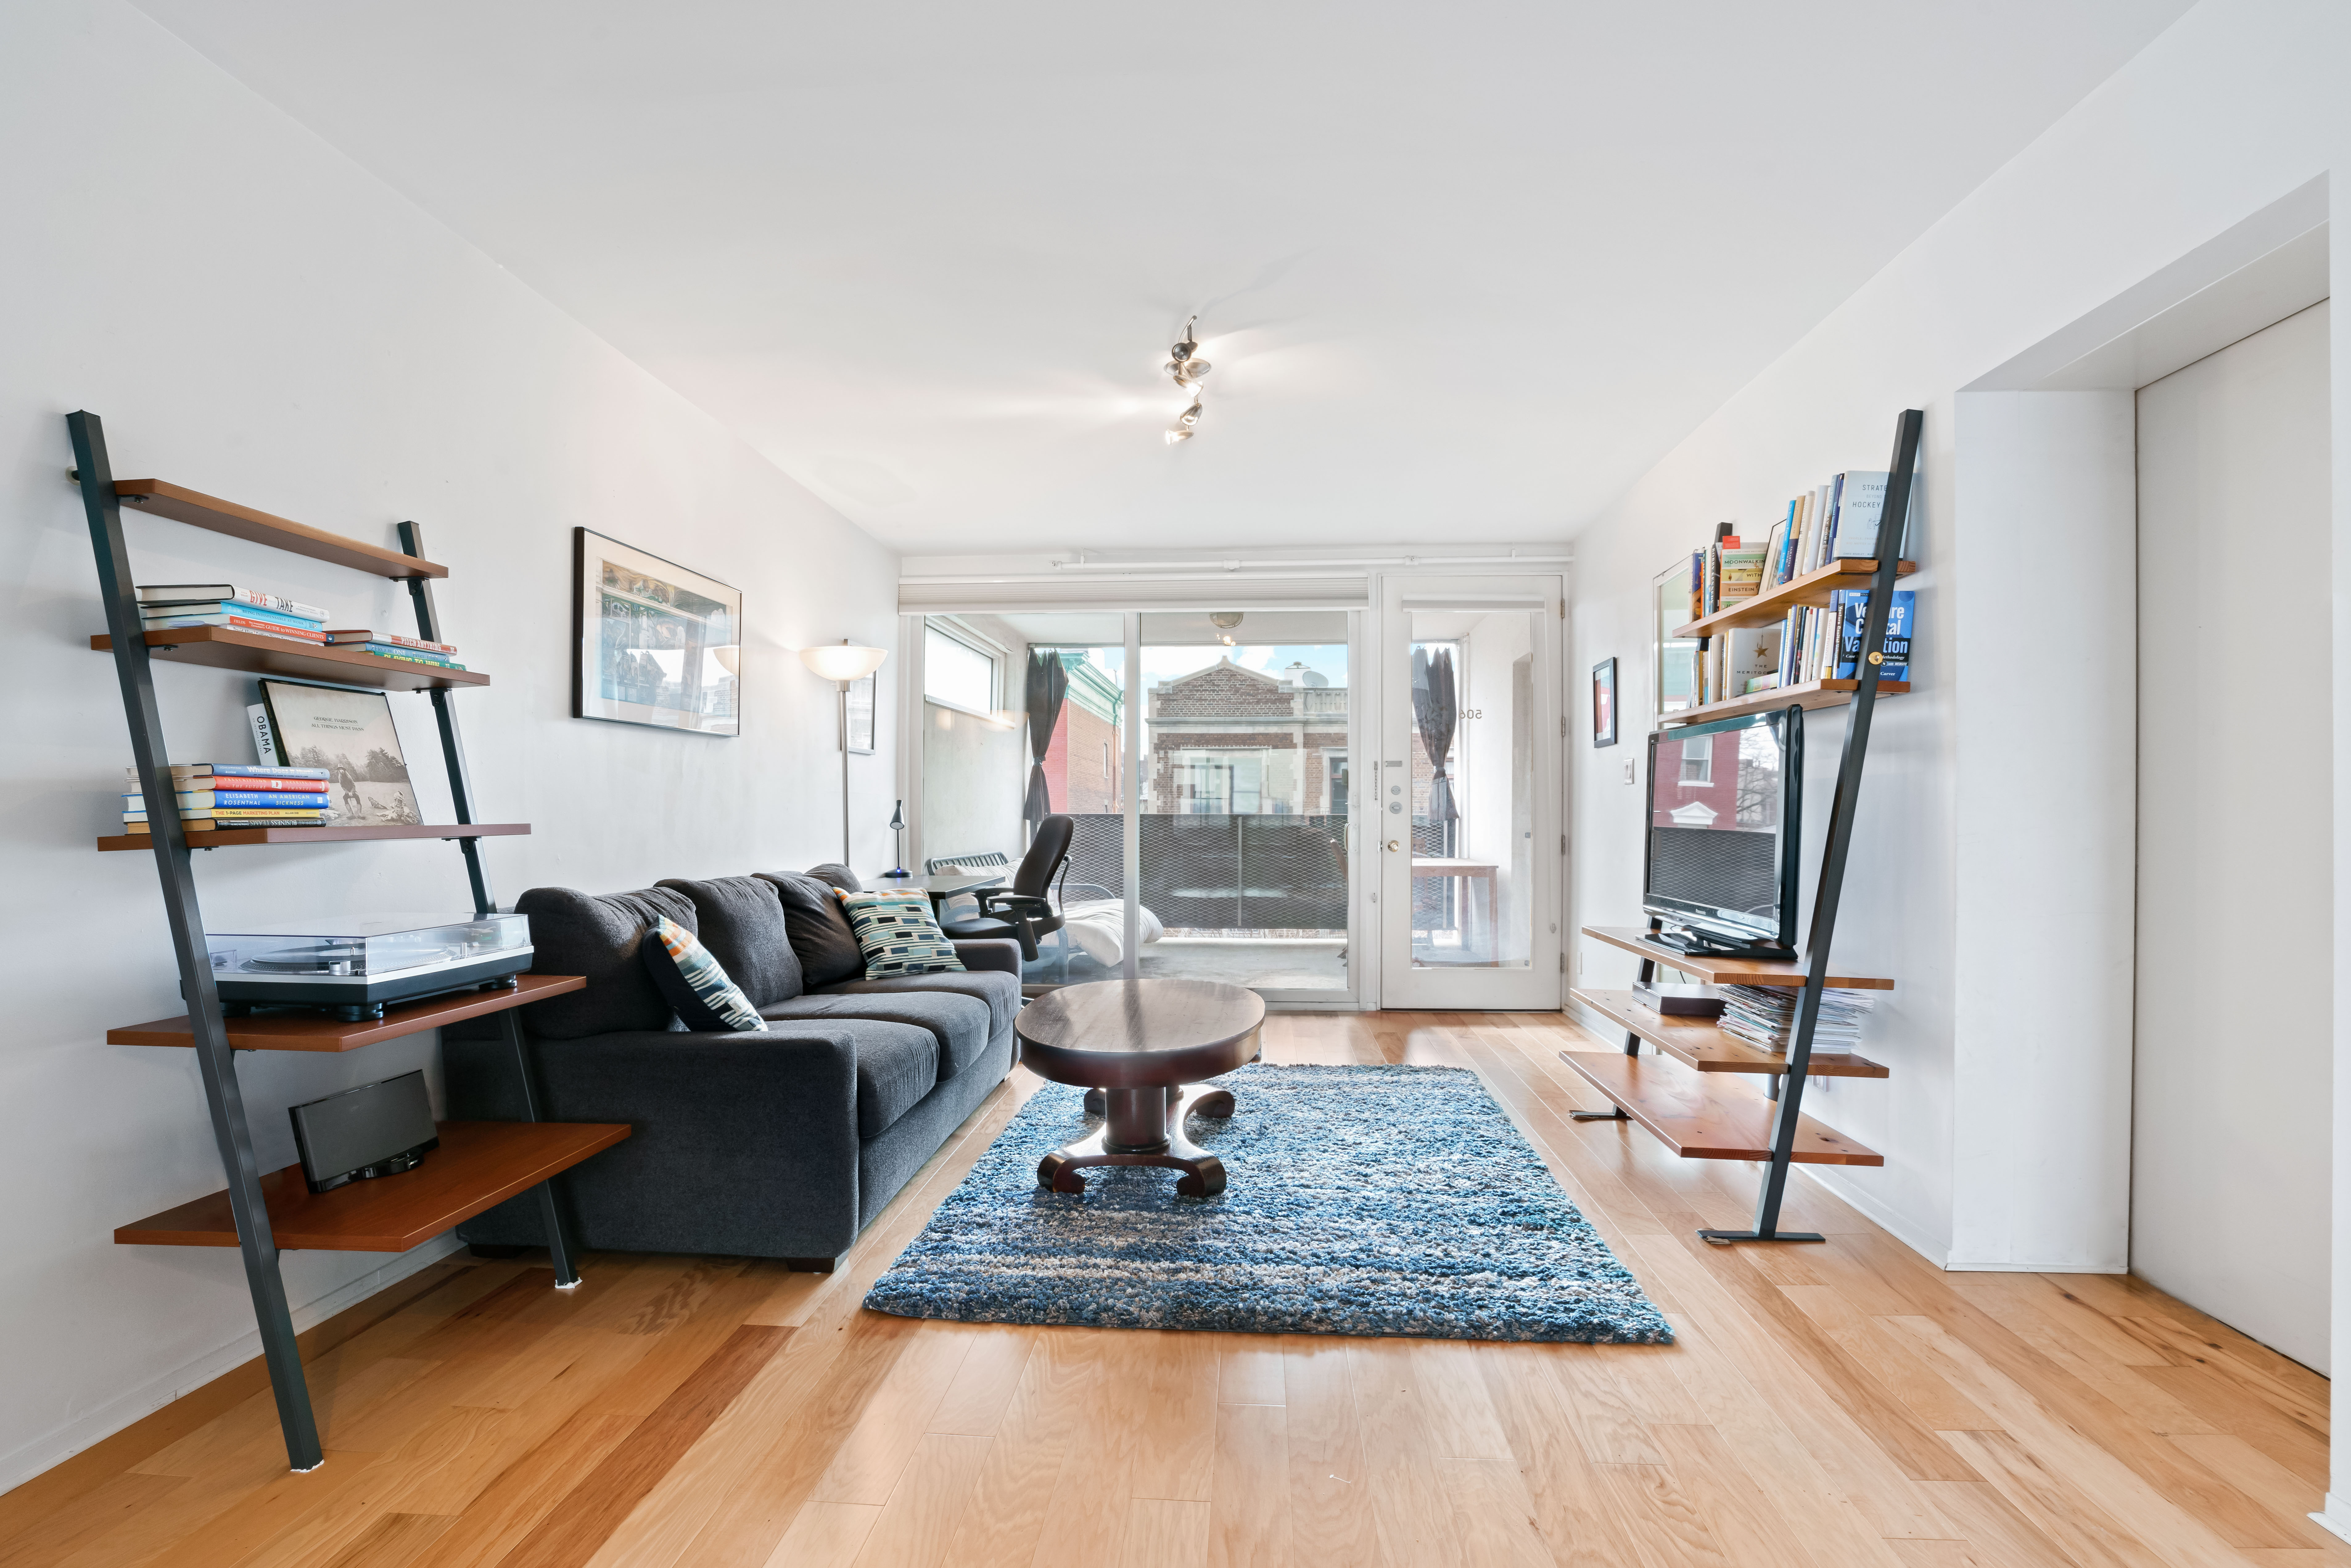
<point x="1434" y="714"/>
<point x="1049" y="683"/>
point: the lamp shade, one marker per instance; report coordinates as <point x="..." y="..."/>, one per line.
<point x="843" y="661"/>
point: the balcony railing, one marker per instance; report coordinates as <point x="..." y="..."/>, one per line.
<point x="1225" y="872"/>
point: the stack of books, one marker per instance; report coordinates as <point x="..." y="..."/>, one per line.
<point x="1766" y="1016"/>
<point x="164" y="606"/>
<point x="392" y="645"/>
<point x="216" y="795"/>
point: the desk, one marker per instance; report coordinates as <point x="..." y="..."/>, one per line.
<point x="1432" y="868"/>
<point x="941" y="887"/>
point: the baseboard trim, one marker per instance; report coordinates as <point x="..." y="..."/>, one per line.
<point x="59" y="1443"/>
<point x="1877" y="1212"/>
<point x="2010" y="1266"/>
<point x="2336" y="1518"/>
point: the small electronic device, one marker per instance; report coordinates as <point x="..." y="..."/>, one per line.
<point x="353" y="965"/>
<point x="1679" y="1001"/>
<point x="375" y="1130"/>
<point x="1723" y="833"/>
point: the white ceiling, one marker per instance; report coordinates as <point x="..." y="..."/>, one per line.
<point x="1464" y="272"/>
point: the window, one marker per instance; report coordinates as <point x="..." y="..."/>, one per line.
<point x="957" y="673"/>
<point x="1698" y="760"/>
<point x="1218" y="783"/>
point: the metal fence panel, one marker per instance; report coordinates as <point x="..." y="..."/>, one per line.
<point x="1223" y="872"/>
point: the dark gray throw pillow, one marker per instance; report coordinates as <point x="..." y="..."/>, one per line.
<point x="707" y="1000"/>
<point x="575" y="933"/>
<point x="818" y="929"/>
<point x="739" y="921"/>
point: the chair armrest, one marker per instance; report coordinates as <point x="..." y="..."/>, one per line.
<point x="993" y="899"/>
<point x="991" y="953"/>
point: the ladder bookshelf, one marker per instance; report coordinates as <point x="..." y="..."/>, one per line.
<point x="1695" y="1095"/>
<point x="478" y="1164"/>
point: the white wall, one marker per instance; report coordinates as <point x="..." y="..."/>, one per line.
<point x="2005" y="1123"/>
<point x="2229" y="1157"/>
<point x="256" y="318"/>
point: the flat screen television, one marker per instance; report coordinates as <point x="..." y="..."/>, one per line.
<point x="1723" y="829"/>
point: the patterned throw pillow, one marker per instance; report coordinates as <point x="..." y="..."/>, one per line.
<point x="693" y="983"/>
<point x="898" y="935"/>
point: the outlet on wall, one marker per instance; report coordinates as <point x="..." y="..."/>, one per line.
<point x="1631" y="768"/>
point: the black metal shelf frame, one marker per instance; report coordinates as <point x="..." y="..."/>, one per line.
<point x="1788" y="1090"/>
<point x="215" y="1061"/>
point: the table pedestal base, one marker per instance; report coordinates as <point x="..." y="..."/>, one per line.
<point x="1144" y="1127"/>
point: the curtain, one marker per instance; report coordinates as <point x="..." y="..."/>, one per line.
<point x="1434" y="712"/>
<point x="1049" y="683"/>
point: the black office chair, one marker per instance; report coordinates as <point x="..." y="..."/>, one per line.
<point x="1023" y="911"/>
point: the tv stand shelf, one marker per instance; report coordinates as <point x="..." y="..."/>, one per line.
<point x="1725" y="971"/>
<point x="1811" y="694"/>
<point x="1698" y="1044"/>
<point x="1701" y="1116"/>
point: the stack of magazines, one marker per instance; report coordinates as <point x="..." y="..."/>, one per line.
<point x="1766" y="1016"/>
<point x="166" y="606"/>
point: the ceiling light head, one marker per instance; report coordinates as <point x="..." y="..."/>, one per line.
<point x="1183" y="361"/>
<point x="1191" y="418"/>
<point x="1225" y="619"/>
<point x="1178" y="434"/>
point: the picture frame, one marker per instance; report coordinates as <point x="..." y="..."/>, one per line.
<point x="652" y="643"/>
<point x="1603" y="702"/>
<point x="860" y="710"/>
<point x="351" y="734"/>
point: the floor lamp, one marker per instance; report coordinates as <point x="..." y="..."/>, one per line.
<point x="842" y="663"/>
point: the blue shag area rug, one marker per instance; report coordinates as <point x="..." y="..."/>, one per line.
<point x="1360" y="1200"/>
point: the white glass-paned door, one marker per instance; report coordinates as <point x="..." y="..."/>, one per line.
<point x="1467" y="795"/>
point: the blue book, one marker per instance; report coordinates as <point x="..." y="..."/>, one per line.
<point x="1852" y="607"/>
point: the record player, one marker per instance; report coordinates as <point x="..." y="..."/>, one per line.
<point x="353" y="965"/>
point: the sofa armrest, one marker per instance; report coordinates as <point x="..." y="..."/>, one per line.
<point x="991" y="953"/>
<point x="742" y="1143"/>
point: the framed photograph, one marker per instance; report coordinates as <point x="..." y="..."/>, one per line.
<point x="350" y="734"/>
<point x="652" y="643"/>
<point x="861" y="712"/>
<point x="1603" y="702"/>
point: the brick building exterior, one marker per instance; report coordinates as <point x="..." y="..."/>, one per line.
<point x="1082" y="765"/>
<point x="1230" y="739"/>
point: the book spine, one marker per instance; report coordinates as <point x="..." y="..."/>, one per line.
<point x="264" y="739"/>
<point x="238" y="608"/>
<point x="233" y="771"/>
<point x="408" y="656"/>
<point x="239" y="623"/>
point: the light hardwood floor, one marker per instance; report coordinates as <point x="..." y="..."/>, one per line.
<point x="1844" y="1404"/>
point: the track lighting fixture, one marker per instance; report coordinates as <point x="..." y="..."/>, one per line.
<point x="1185" y="364"/>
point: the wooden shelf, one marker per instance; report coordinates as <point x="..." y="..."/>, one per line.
<point x="1811" y="694"/>
<point x="1724" y="971"/>
<point x="308" y="1029"/>
<point x="478" y="1165"/>
<point x="1698" y="1044"/>
<point x="221" y="516"/>
<point x="224" y="649"/>
<point x="1705" y="1115"/>
<point x="222" y="837"/>
<point x="1813" y="587"/>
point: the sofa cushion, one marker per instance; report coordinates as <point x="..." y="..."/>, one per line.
<point x="706" y="1001"/>
<point x="741" y="921"/>
<point x="597" y="935"/>
<point x="817" y="929"/>
<point x="960" y="1025"/>
<point x="999" y="990"/>
<point x="835" y="875"/>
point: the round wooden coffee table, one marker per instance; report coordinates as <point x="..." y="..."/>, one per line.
<point x="1137" y="1045"/>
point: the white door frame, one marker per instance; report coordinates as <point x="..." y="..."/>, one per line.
<point x="1389" y="726"/>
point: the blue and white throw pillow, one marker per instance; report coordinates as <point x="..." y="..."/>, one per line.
<point x="693" y="982"/>
<point x="898" y="935"/>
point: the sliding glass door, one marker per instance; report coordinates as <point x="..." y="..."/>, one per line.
<point x="1237" y="729"/>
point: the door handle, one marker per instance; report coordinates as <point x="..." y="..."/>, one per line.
<point x="1393" y="844"/>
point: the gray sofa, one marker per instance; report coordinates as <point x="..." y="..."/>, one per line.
<point x="783" y="1143"/>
